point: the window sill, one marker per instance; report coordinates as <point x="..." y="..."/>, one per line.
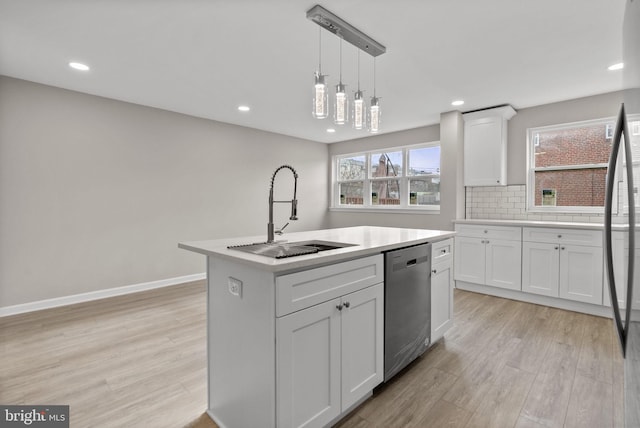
<point x="386" y="210"/>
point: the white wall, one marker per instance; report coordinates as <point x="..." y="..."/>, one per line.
<point x="96" y="193"/>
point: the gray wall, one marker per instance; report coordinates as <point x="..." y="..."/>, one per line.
<point x="96" y="193"/>
<point x="451" y="140"/>
<point x="595" y="107"/>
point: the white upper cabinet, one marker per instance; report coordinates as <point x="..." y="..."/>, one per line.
<point x="485" y="146"/>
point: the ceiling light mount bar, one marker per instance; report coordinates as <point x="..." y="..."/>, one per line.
<point x="344" y="30"/>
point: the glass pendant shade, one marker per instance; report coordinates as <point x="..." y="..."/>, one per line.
<point x="341" y="108"/>
<point x="359" y="118"/>
<point x="374" y="115"/>
<point x="320" y="98"/>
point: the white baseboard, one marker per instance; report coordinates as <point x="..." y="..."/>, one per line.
<point x="95" y="295"/>
<point x="554" y="302"/>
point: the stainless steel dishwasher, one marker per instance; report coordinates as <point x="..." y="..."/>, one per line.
<point x="407" y="306"/>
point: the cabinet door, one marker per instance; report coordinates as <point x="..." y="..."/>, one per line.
<point x="441" y="299"/>
<point x="540" y="268"/>
<point x="503" y="264"/>
<point x="469" y="258"/>
<point x="362" y="343"/>
<point x="581" y="273"/>
<point x="484" y="153"/>
<point x="308" y="366"/>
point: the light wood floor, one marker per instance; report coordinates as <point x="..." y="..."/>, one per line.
<point x="140" y="361"/>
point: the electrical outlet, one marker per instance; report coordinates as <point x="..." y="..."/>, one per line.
<point x="235" y="286"/>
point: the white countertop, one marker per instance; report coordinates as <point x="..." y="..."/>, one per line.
<point x="532" y="223"/>
<point x="368" y="240"/>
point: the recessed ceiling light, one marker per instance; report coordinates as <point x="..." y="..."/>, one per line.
<point x="79" y="66"/>
<point x="331" y="130"/>
<point x="457" y="103"/>
<point x="618" y="66"/>
<point x="244" y="108"/>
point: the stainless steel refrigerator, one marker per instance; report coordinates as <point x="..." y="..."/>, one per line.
<point x="622" y="237"/>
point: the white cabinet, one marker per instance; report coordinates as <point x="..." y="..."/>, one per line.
<point x="298" y="348"/>
<point x="564" y="263"/>
<point x="488" y="255"/>
<point x="441" y="288"/>
<point x="485" y="146"/>
<point x="329" y="355"/>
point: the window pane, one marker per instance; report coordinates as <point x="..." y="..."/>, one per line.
<point x="385" y="192"/>
<point x="578" y="145"/>
<point x="424" y="191"/>
<point x="351" y="193"/>
<point x="351" y="168"/>
<point x="570" y="187"/>
<point x="424" y="161"/>
<point x="386" y="164"/>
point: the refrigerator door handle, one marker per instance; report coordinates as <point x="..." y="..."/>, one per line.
<point x="620" y="130"/>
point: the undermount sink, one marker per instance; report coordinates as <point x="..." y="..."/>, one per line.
<point x="279" y="250"/>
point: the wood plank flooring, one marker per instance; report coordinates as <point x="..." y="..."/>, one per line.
<point x="140" y="361"/>
<point x="506" y="364"/>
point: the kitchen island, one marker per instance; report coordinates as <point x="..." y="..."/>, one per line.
<point x="298" y="340"/>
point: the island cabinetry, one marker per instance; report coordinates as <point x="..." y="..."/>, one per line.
<point x="564" y="263"/>
<point x="488" y="255"/>
<point x="329" y="354"/>
<point x="441" y="288"/>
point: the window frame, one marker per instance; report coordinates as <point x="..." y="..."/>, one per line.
<point x="404" y="180"/>
<point x="531" y="169"/>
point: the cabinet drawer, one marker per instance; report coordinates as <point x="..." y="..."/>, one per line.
<point x="509" y="233"/>
<point x="562" y="236"/>
<point x="441" y="251"/>
<point x="307" y="288"/>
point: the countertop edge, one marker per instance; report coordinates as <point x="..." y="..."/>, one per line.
<point x="217" y="248"/>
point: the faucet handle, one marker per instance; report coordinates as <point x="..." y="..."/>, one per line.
<point x="279" y="231"/>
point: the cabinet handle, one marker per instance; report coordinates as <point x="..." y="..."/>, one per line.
<point x="434" y="271"/>
<point x="556" y="248"/>
<point x="498" y="181"/>
<point x="486" y="242"/>
<point x="347" y="304"/>
<point x="339" y="307"/>
<point x="444" y="250"/>
<point x="559" y="236"/>
<point x="562" y="248"/>
<point x="485" y="231"/>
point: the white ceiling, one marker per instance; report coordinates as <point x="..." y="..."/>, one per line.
<point x="204" y="58"/>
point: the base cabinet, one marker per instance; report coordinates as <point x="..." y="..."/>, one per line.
<point x="441" y="289"/>
<point x="488" y="255"/>
<point x="557" y="268"/>
<point x="329" y="356"/>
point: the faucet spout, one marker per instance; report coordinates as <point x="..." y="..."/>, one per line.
<point x="293" y="202"/>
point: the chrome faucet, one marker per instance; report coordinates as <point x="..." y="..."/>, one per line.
<point x="294" y="203"/>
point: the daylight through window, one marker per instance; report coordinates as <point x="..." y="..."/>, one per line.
<point x="400" y="177"/>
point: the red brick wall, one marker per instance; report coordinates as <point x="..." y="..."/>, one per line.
<point x="581" y="187"/>
<point x="574" y="187"/>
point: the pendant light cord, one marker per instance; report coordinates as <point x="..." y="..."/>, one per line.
<point x="320" y="50"/>
<point x="341" y="60"/>
<point x="374" y="76"/>
<point x="358" y="70"/>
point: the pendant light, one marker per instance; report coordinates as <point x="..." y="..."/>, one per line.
<point x="359" y="115"/>
<point x="341" y="107"/>
<point x="374" y="107"/>
<point x="320" y="95"/>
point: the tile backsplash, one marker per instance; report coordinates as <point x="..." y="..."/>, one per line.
<point x="510" y="203"/>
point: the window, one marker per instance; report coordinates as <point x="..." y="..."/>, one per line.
<point x="396" y="178"/>
<point x="568" y="166"/>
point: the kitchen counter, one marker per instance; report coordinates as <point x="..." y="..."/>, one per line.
<point x="532" y="223"/>
<point x="368" y="240"/>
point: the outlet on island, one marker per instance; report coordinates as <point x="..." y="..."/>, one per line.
<point x="235" y="286"/>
